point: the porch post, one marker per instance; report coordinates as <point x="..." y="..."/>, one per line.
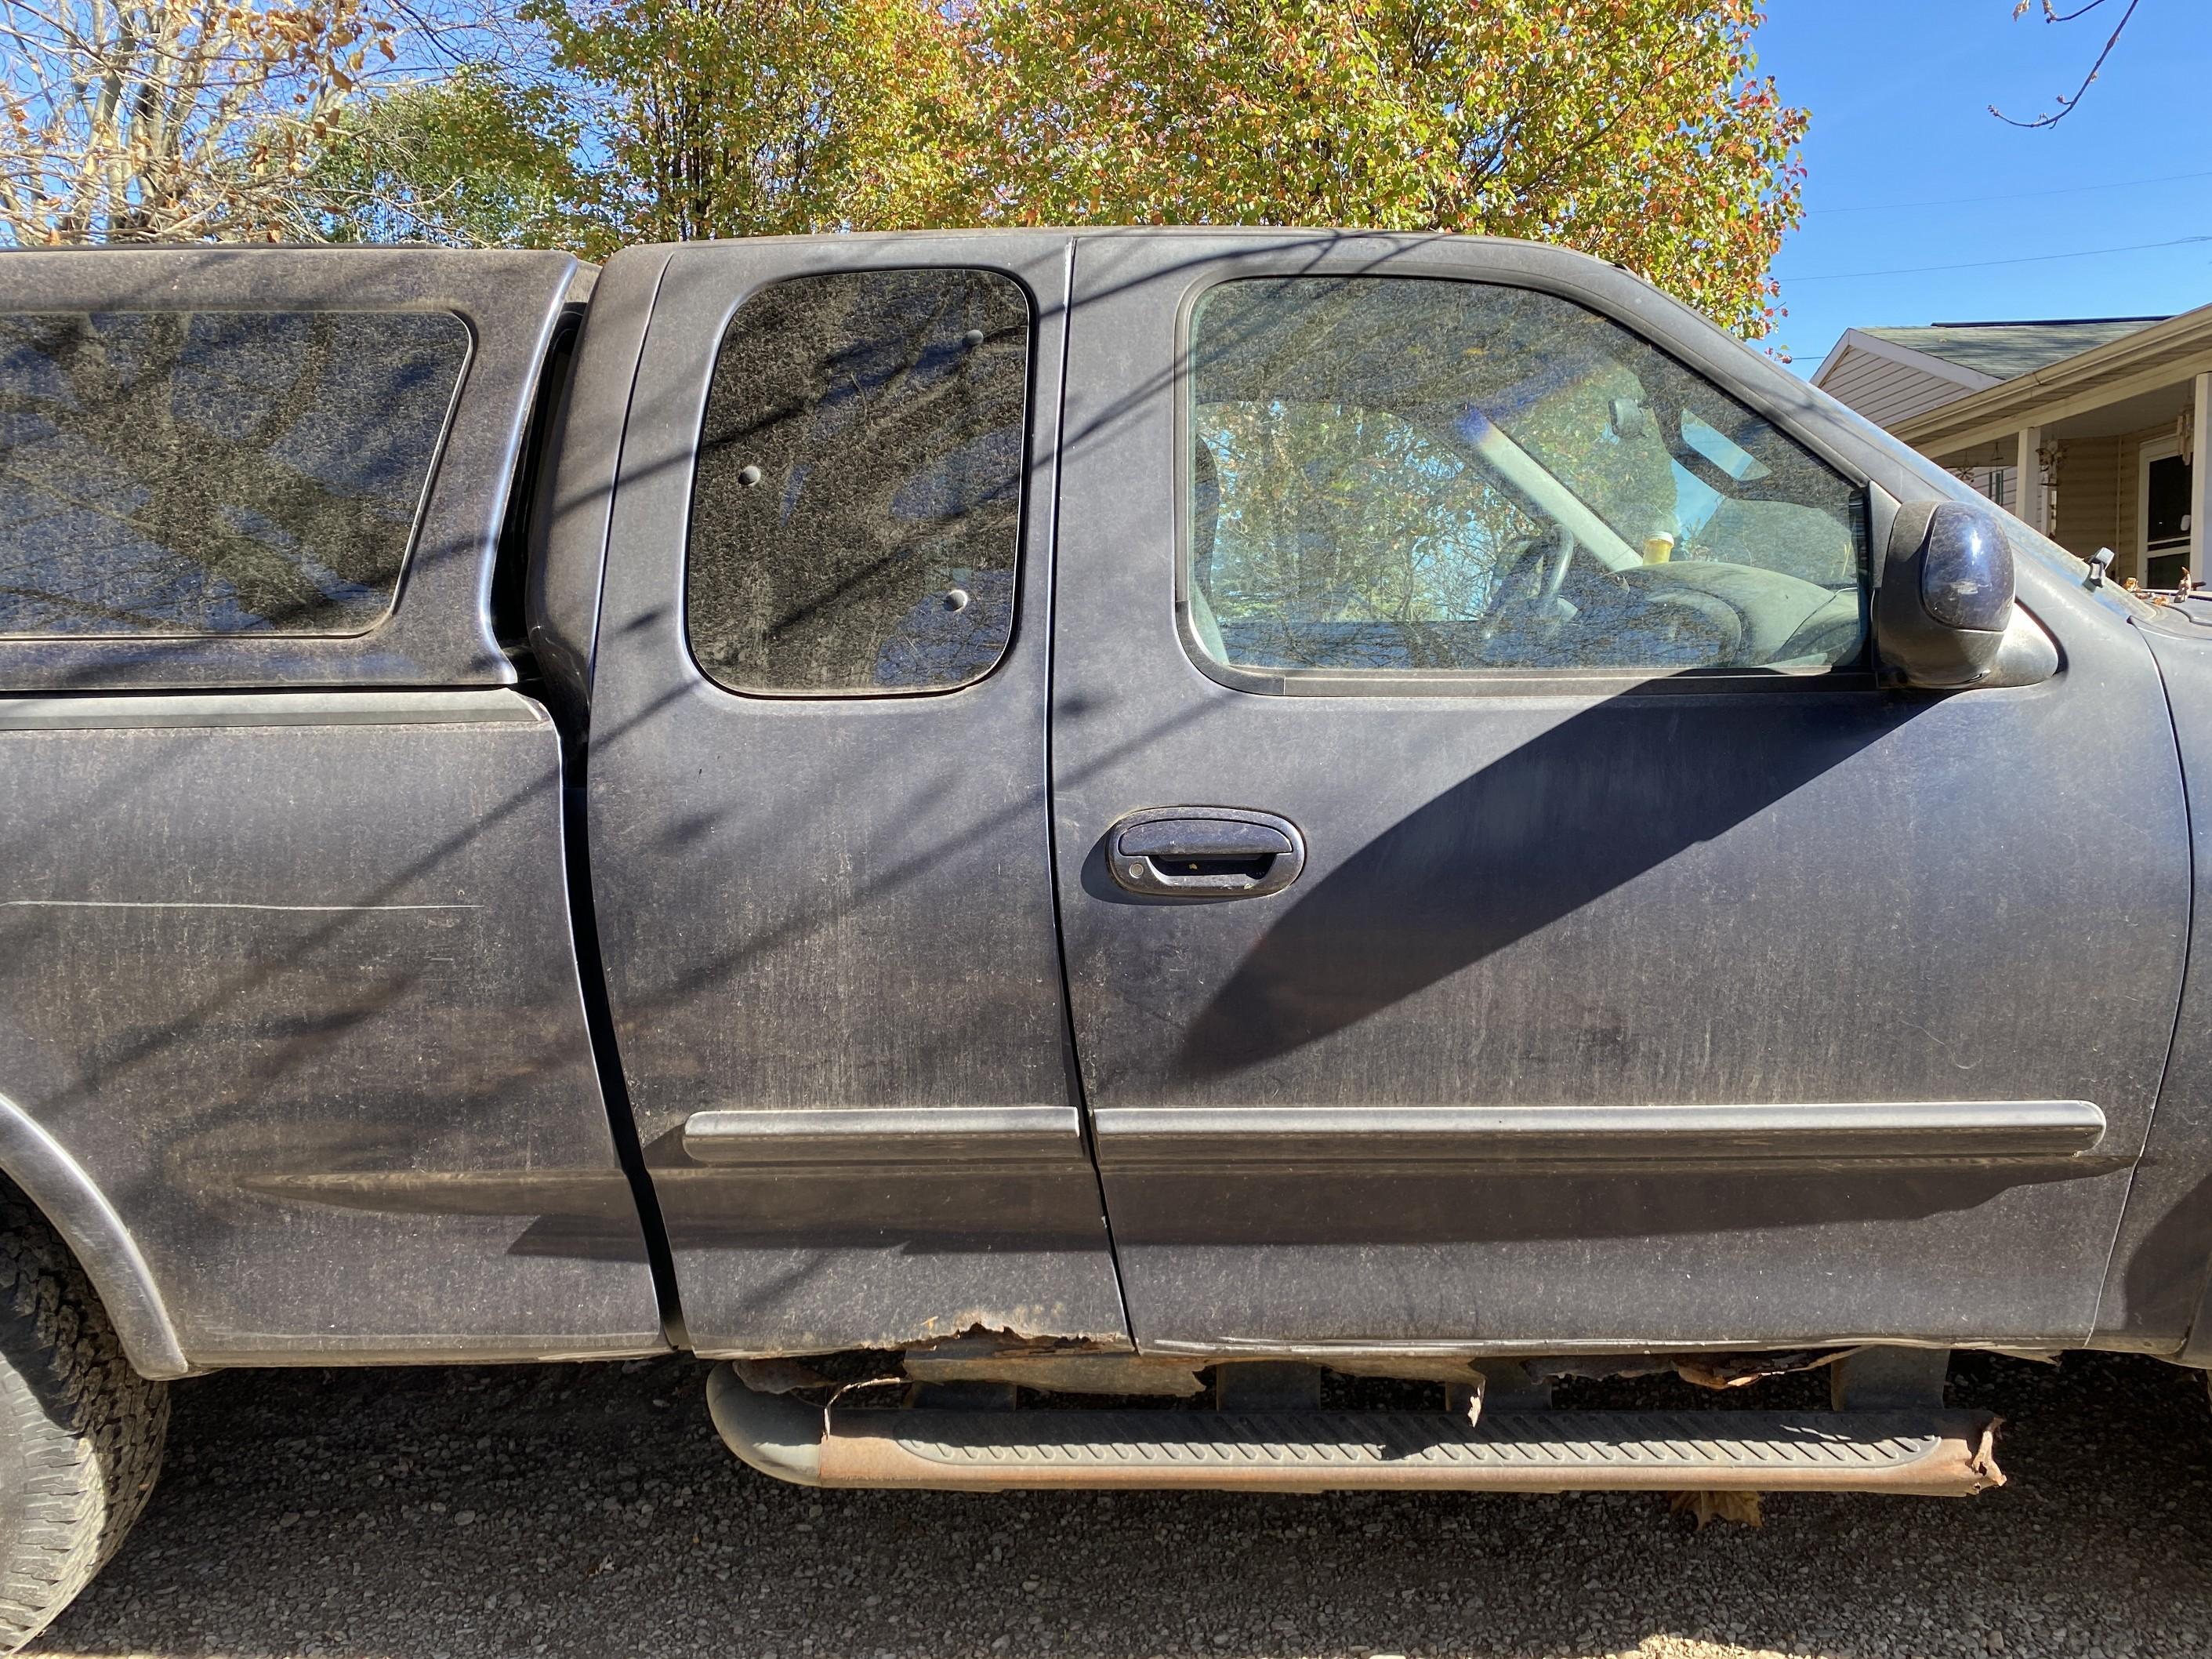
<point x="2200" y="475"/>
<point x="2030" y="499"/>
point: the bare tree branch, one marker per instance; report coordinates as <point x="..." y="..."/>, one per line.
<point x="129" y="120"/>
<point x="2067" y="105"/>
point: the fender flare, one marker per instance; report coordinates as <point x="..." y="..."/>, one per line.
<point x="77" y="1209"/>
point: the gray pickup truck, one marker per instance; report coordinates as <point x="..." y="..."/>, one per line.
<point x="1131" y="858"/>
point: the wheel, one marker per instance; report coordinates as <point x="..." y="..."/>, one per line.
<point x="79" y="1432"/>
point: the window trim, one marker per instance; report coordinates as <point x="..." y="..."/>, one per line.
<point x="1857" y="676"/>
<point x="1031" y="368"/>
<point x="470" y="347"/>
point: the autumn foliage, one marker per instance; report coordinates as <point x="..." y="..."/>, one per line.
<point x="1638" y="130"/>
<point x="171" y="119"/>
<point x="1634" y="129"/>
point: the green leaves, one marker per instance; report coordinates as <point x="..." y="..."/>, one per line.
<point x="471" y="160"/>
<point x="1634" y="129"/>
<point x="1638" y="131"/>
<point x="737" y="118"/>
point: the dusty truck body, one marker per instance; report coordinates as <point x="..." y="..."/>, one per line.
<point x="1214" y="822"/>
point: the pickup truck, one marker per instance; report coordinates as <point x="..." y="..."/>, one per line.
<point x="1134" y="859"/>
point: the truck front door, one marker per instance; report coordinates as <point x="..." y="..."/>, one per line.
<point x="1501" y="908"/>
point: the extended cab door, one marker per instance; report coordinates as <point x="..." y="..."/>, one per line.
<point x="1500" y="907"/>
<point x="820" y="847"/>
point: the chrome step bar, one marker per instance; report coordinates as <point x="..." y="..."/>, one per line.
<point x="1936" y="1453"/>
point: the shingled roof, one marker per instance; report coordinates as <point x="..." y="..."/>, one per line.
<point x="2004" y="350"/>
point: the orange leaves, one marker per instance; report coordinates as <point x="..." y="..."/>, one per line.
<point x="1543" y="117"/>
<point x="1636" y="129"/>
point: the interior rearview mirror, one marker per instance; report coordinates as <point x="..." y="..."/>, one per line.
<point x="1945" y="617"/>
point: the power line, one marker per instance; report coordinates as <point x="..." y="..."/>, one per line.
<point x="1980" y="265"/>
<point x="2011" y="196"/>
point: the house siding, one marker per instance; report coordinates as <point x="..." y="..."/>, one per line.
<point x="1886" y="391"/>
<point x="2084" y="495"/>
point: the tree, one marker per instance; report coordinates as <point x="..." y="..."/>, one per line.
<point x="1634" y="129"/>
<point x="733" y="118"/>
<point x="169" y="119"/>
<point x="473" y="160"/>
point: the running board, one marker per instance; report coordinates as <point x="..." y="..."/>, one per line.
<point x="1943" y="1454"/>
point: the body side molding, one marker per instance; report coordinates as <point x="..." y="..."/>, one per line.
<point x="884" y="1134"/>
<point x="80" y="712"/>
<point x="1936" y="1132"/>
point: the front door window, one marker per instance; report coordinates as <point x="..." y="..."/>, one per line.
<point x="1392" y="475"/>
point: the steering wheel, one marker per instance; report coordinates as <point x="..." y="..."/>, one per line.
<point x="1556" y="548"/>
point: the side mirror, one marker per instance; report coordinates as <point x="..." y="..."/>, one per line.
<point x="1944" y="617"/>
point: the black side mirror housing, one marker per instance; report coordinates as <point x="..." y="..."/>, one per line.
<point x="1944" y="615"/>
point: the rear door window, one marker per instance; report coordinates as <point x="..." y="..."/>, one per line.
<point x="1391" y="475"/>
<point x="856" y="510"/>
<point x="203" y="473"/>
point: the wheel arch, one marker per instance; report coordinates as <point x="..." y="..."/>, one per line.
<point x="73" y="1205"/>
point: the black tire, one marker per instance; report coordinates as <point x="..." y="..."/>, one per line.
<point x="79" y="1432"/>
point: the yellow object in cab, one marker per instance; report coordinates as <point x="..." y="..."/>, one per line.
<point x="1657" y="550"/>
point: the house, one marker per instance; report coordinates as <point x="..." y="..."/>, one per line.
<point x="1891" y="374"/>
<point x="2105" y="418"/>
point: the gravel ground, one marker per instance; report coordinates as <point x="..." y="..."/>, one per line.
<point x="589" y="1510"/>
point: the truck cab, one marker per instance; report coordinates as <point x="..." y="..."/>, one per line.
<point x="1211" y="820"/>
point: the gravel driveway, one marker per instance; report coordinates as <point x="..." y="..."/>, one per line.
<point x="589" y="1510"/>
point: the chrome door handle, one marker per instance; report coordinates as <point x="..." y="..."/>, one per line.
<point x="1204" y="852"/>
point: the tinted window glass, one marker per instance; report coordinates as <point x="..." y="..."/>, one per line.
<point x="1396" y="474"/>
<point x="857" y="510"/>
<point x="196" y="473"/>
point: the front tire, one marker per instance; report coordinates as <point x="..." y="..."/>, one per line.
<point x="79" y="1432"/>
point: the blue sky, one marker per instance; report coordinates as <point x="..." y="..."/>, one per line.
<point x="1898" y="92"/>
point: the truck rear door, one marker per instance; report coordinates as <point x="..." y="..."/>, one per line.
<point x="820" y="843"/>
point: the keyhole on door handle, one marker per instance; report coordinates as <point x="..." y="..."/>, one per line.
<point x="1204" y="852"/>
